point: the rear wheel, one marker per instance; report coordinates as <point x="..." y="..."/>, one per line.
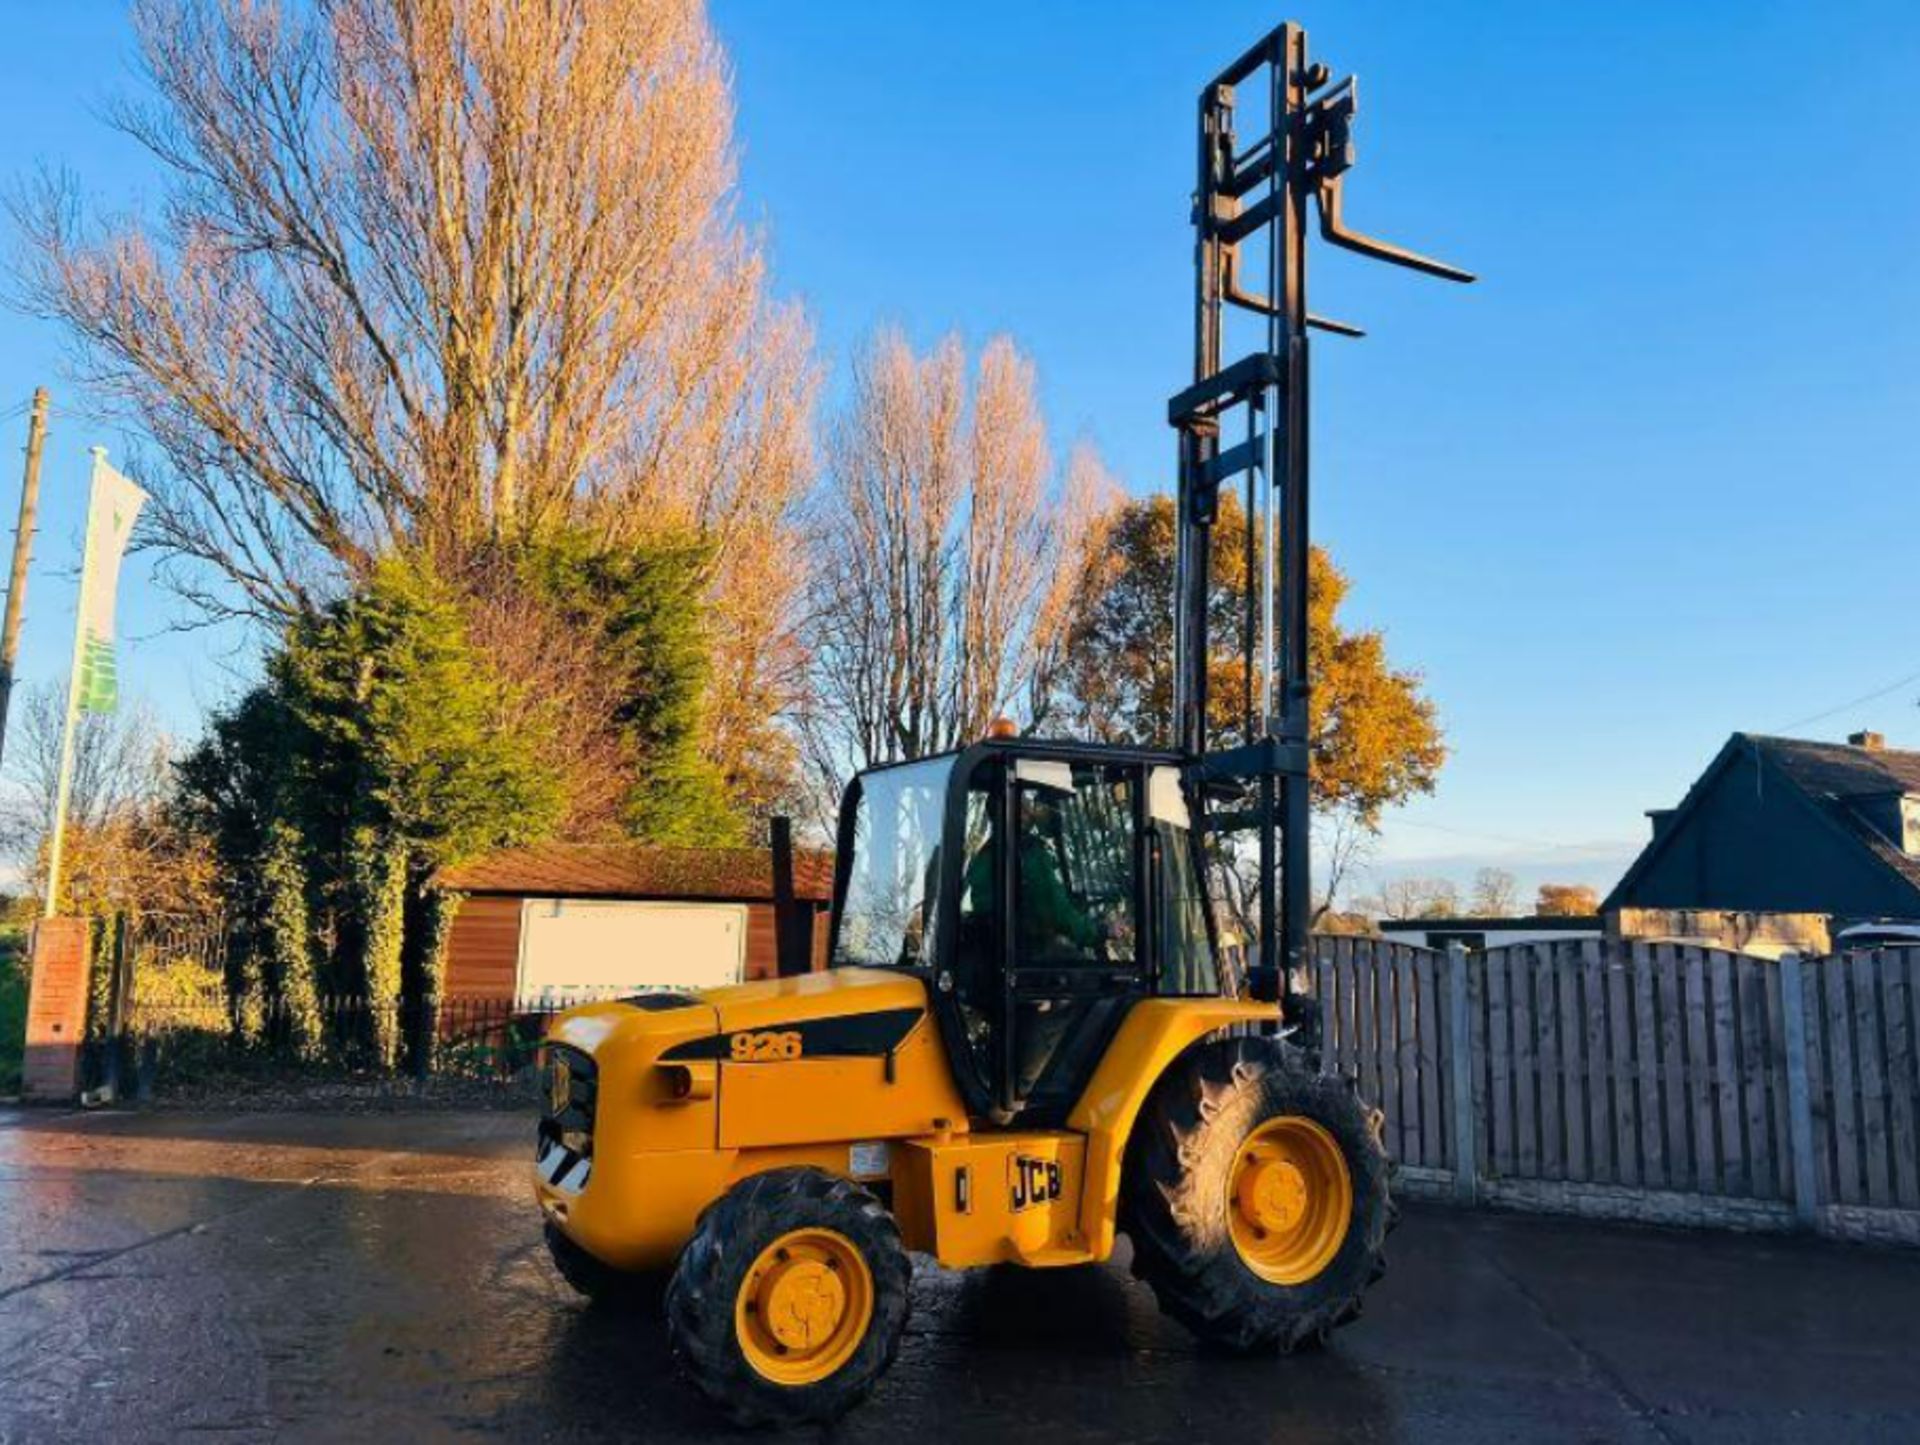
<point x="789" y="1301"/>
<point x="1256" y="1198"/>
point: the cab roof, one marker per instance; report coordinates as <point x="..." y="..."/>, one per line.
<point x="1062" y="749"/>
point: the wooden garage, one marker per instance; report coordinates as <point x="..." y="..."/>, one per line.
<point x="571" y="921"/>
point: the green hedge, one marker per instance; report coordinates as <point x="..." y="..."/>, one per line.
<point x="13" y="1006"/>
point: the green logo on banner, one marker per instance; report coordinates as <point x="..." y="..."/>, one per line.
<point x="99" y="677"/>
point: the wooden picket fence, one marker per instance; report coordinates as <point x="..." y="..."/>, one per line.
<point x="1650" y="1080"/>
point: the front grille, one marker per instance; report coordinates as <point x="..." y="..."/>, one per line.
<point x="568" y="1085"/>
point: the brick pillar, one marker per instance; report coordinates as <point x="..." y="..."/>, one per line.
<point x="56" y="1009"/>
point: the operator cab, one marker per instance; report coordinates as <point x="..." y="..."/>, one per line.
<point x="1040" y="888"/>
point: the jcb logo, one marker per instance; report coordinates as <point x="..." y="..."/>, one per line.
<point x="763" y="1048"/>
<point x="1035" y="1181"/>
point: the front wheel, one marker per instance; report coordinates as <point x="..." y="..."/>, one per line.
<point x="790" y="1299"/>
<point x="1256" y="1198"/>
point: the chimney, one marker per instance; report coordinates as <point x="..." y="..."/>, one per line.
<point x="1871" y="741"/>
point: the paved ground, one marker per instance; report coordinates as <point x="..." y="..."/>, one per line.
<point x="335" y="1277"/>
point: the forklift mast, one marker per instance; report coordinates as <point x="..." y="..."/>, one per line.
<point x="1275" y="134"/>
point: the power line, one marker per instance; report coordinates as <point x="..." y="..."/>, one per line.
<point x="1874" y="696"/>
<point x="1486" y="837"/>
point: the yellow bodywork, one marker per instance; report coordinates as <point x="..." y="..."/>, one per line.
<point x="691" y="1100"/>
<point x="1156" y="1032"/>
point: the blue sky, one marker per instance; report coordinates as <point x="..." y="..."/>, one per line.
<point x="1652" y="481"/>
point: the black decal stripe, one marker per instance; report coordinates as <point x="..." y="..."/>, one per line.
<point x="714" y="1046"/>
<point x="858" y="1035"/>
<point x="867" y="1035"/>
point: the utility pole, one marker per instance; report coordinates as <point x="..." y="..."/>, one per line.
<point x="22" y="552"/>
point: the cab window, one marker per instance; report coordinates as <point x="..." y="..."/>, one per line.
<point x="888" y="916"/>
<point x="1075" y="868"/>
<point x="1186" y="958"/>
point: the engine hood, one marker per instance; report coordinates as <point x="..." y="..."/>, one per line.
<point x="838" y="1012"/>
<point x="656" y="1021"/>
<point x="846" y="1012"/>
<point x="774" y="1002"/>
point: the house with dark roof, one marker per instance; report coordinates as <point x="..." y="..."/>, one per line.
<point x="568" y="921"/>
<point x="1781" y="838"/>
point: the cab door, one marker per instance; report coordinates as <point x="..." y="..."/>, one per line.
<point x="1072" y="863"/>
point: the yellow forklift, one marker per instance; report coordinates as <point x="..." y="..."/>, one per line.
<point x="1034" y="1035"/>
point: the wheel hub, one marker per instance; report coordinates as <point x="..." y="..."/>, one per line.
<point x="1290" y="1200"/>
<point x="1274" y="1195"/>
<point x="804" y="1306"/>
<point x="805" y="1303"/>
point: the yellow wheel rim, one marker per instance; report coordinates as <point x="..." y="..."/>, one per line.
<point x="804" y="1307"/>
<point x="1289" y="1200"/>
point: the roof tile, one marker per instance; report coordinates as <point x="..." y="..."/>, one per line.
<point x="633" y="870"/>
<point x="1835" y="774"/>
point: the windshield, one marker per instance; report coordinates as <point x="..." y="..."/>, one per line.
<point x="887" y="917"/>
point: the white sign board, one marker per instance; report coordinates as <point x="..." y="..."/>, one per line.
<point x="577" y="949"/>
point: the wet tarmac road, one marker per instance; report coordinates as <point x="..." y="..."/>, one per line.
<point x="316" y="1277"/>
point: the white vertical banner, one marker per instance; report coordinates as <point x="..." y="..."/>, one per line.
<point x="111" y="510"/>
<point x="113" y="504"/>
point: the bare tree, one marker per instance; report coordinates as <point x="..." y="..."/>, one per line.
<point x="1496" y="893"/>
<point x="120" y="849"/>
<point x="431" y="275"/>
<point x="938" y="539"/>
<point x="1089" y="508"/>
<point x="1413" y="897"/>
<point x="428" y="272"/>
<point x="1345" y="841"/>
<point x="120" y="762"/>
